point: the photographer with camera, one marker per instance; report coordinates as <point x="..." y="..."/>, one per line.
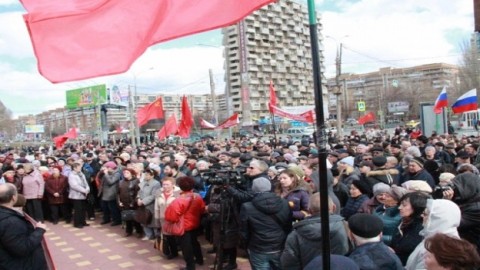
<point x="465" y="192"/>
<point x="256" y="169"/>
<point x="223" y="217"/>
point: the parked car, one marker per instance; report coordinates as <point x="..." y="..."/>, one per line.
<point x="351" y="121"/>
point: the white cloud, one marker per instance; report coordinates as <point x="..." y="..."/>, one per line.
<point x="415" y="31"/>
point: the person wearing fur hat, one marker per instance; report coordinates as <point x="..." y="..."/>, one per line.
<point x="388" y="211"/>
<point x="416" y="171"/>
<point x="359" y="193"/>
<point x="370" y="252"/>
<point x="380" y="174"/>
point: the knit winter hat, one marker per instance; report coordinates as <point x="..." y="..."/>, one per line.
<point x="110" y="165"/>
<point x="348" y="160"/>
<point x="419" y="161"/>
<point x="363" y="186"/>
<point x="261" y="184"/>
<point x="380" y="188"/>
<point x="379" y="161"/>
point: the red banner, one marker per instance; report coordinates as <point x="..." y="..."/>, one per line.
<point x="230" y="122"/>
<point x="306" y="117"/>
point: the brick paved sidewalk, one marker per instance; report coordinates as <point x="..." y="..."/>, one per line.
<point x="103" y="247"/>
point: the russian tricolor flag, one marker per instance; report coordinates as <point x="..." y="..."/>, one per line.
<point x="441" y="101"/>
<point x="466" y="102"/>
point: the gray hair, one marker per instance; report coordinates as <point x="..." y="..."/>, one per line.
<point x="260" y="164"/>
<point x="414" y="151"/>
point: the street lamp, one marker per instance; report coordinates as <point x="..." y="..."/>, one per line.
<point x="134" y="107"/>
<point x="338" y="88"/>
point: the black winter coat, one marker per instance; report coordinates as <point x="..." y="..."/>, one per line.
<point x="303" y="242"/>
<point x="20" y="242"/>
<point x="407" y="240"/>
<point x="261" y="231"/>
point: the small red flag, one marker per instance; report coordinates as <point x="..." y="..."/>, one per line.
<point x="369" y="117"/>
<point x="169" y="128"/>
<point x="230" y="122"/>
<point x="60" y="141"/>
<point x="109" y="35"/>
<point x="151" y="111"/>
<point x="187" y="120"/>
<point x="273" y="97"/>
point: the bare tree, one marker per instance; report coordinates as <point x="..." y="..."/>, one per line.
<point x="6" y="122"/>
<point x="469" y="71"/>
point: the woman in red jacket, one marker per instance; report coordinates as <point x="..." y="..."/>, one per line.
<point x="191" y="206"/>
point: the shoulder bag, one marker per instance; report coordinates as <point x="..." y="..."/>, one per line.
<point x="176" y="228"/>
<point x="143" y="215"/>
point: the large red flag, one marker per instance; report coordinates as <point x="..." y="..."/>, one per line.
<point x="76" y="40"/>
<point x="369" y="117"/>
<point x="273" y="97"/>
<point x="230" y="122"/>
<point x="169" y="128"/>
<point x="151" y="111"/>
<point x="71" y="134"/>
<point x="187" y="120"/>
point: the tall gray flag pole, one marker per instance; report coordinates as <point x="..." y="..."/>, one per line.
<point x="321" y="138"/>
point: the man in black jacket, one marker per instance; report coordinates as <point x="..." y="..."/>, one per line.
<point x="20" y="240"/>
<point x="302" y="243"/>
<point x="264" y="225"/>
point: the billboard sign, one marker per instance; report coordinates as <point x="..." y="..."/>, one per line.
<point x="399" y="106"/>
<point x="118" y="96"/>
<point x="34" y="128"/>
<point x="86" y="96"/>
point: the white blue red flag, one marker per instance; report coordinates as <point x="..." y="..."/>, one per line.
<point x="466" y="102"/>
<point x="441" y="102"/>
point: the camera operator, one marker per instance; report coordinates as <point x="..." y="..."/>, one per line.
<point x="222" y="212"/>
<point x="465" y="192"/>
<point x="256" y="169"/>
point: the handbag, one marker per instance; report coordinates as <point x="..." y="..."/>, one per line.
<point x="176" y="228"/>
<point x="128" y="215"/>
<point x="143" y="215"/>
<point x="161" y="243"/>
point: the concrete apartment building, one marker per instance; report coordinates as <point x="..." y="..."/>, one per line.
<point x="395" y="92"/>
<point x="272" y="44"/>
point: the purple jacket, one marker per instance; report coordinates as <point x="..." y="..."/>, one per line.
<point x="298" y="202"/>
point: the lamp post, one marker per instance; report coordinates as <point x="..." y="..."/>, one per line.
<point x="338" y="87"/>
<point x="227" y="91"/>
<point x="134" y="108"/>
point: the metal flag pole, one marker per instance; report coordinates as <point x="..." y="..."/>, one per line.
<point x="321" y="140"/>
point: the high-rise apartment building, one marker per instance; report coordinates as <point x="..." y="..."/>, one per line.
<point x="272" y="44"/>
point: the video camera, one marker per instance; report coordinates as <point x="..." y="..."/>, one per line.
<point x="224" y="176"/>
<point x="438" y="191"/>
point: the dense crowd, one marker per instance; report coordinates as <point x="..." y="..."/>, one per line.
<point x="395" y="202"/>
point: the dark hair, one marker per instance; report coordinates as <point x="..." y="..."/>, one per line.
<point x="453" y="253"/>
<point x="418" y="200"/>
<point x="172" y="165"/>
<point x="132" y="172"/>
<point x="185" y="183"/>
<point x="150" y="171"/>
<point x="7" y="195"/>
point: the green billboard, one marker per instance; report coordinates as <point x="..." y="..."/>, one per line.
<point x="86" y="96"/>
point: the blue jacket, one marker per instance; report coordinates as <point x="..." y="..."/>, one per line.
<point x="391" y="219"/>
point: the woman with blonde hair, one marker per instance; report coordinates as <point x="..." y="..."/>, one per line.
<point x="163" y="198"/>
<point x="295" y="191"/>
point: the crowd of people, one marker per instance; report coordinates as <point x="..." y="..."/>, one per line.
<point x="395" y="202"/>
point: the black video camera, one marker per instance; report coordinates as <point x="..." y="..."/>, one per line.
<point x="438" y="191"/>
<point x="223" y="177"/>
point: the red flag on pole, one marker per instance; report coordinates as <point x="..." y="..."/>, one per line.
<point x="151" y="111"/>
<point x="169" y="128"/>
<point x="98" y="45"/>
<point x="273" y="97"/>
<point x="187" y="120"/>
<point x="205" y="124"/>
<point x="369" y="117"/>
<point x="62" y="139"/>
<point x="230" y="122"/>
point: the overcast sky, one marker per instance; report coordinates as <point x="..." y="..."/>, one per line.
<point x="375" y="33"/>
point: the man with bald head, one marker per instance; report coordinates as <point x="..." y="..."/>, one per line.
<point x="20" y="238"/>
